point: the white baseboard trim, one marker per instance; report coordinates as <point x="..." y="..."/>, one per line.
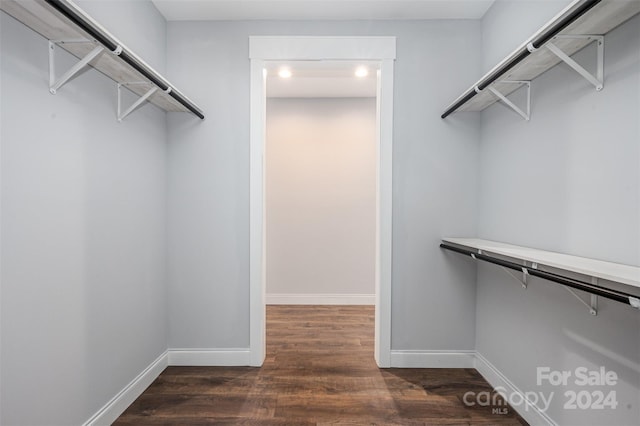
<point x="320" y="299"/>
<point x="531" y="413"/>
<point x="432" y="359"/>
<point x="112" y="409"/>
<point x="241" y="357"/>
<point x="210" y="357"/>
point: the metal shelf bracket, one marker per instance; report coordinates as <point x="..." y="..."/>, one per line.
<point x="598" y="79"/>
<point x="56" y="84"/>
<point x="593" y="302"/>
<point x="523" y="280"/>
<point x="524" y="114"/>
<point x="142" y="99"/>
<point x="525" y="271"/>
<point x="593" y="289"/>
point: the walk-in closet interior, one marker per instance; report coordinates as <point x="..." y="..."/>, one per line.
<point x="317" y="212"/>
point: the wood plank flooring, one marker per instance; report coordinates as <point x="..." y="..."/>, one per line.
<point x="319" y="370"/>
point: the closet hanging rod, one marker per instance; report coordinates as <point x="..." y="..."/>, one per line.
<point x="75" y="15"/>
<point x="532" y="44"/>
<point x="616" y="295"/>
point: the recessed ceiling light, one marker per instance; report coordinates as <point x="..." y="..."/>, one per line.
<point x="284" y="73"/>
<point x="362" y="72"/>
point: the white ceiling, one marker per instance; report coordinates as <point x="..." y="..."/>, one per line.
<point x="321" y="79"/>
<point x="205" y="10"/>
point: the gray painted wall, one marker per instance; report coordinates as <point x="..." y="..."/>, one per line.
<point x="508" y="23"/>
<point x="320" y="187"/>
<point x="83" y="229"/>
<point x="567" y="181"/>
<point x="137" y="24"/>
<point x="434" y="190"/>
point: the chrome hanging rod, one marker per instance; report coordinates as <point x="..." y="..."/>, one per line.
<point x="75" y="15"/>
<point x="616" y="295"/>
<point x="553" y="29"/>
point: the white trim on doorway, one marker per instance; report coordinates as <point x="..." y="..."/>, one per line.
<point x="279" y="48"/>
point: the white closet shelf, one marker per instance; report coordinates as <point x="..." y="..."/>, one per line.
<point x="579" y="24"/>
<point x="531" y="261"/>
<point x="616" y="272"/>
<point x="65" y="25"/>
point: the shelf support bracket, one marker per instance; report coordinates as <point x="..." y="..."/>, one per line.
<point x="56" y="84"/>
<point x="136" y="104"/>
<point x="524" y="114"/>
<point x="593" y="302"/>
<point x="525" y="271"/>
<point x="523" y="280"/>
<point x="598" y="79"/>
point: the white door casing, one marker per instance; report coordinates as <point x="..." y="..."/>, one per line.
<point x="286" y="48"/>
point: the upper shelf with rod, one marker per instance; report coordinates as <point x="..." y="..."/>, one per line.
<point x="611" y="280"/>
<point x="67" y="26"/>
<point x="579" y="24"/>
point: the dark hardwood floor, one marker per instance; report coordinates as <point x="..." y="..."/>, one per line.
<point x="319" y="370"/>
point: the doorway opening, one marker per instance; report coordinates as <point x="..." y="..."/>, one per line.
<point x="378" y="53"/>
<point x="320" y="183"/>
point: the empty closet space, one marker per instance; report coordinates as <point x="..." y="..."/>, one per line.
<point x="319" y="212"/>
